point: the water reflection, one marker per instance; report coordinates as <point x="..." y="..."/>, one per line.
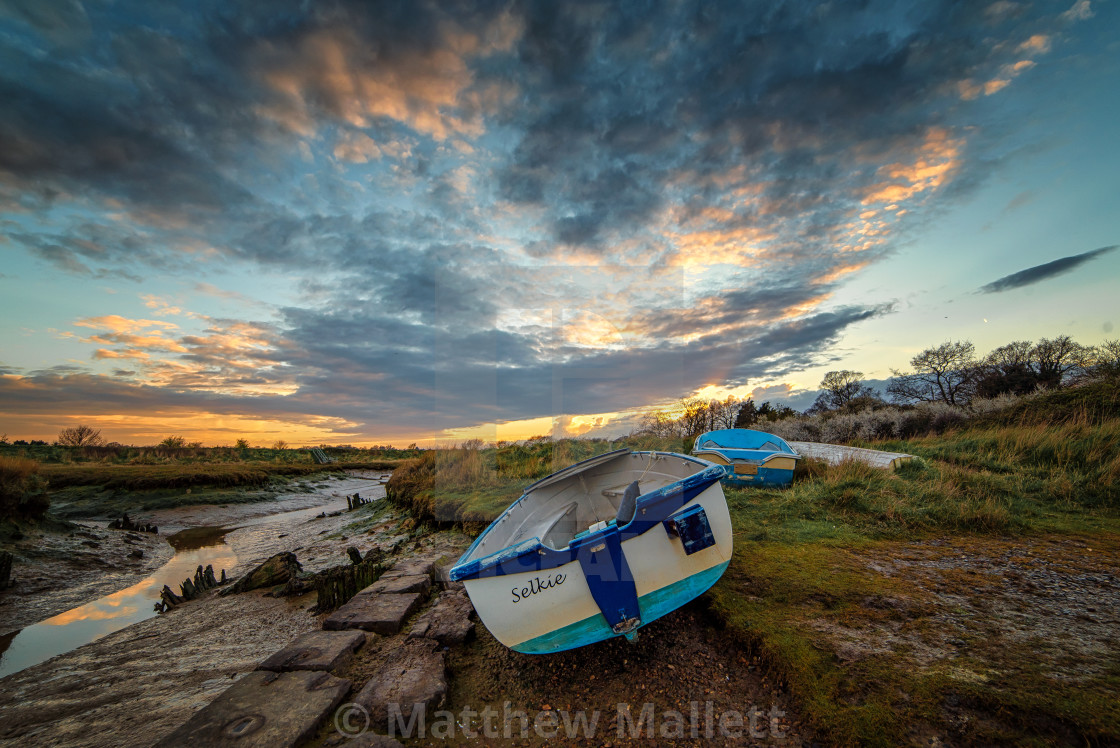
<point x="195" y="547"/>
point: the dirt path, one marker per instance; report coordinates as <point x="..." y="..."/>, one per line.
<point x="674" y="684"/>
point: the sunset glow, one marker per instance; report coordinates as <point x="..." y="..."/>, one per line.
<point x="371" y="224"/>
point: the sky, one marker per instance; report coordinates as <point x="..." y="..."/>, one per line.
<point x="371" y="223"/>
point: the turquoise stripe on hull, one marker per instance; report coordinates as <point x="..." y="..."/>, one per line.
<point x="653" y="605"/>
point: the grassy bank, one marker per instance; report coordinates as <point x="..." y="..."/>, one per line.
<point x="97" y="489"/>
<point x="472" y="485"/>
<point x="953" y="597"/>
<point x="966" y="596"/>
<point x="190" y="475"/>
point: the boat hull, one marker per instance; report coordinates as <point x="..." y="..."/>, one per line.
<point x="554" y="609"/>
<point x="774" y="470"/>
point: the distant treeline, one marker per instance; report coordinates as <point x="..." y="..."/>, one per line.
<point x="946" y="384"/>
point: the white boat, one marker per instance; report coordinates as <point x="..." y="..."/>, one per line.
<point x="598" y="550"/>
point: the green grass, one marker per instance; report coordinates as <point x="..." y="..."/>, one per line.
<point x="803" y="576"/>
<point x="802" y="563"/>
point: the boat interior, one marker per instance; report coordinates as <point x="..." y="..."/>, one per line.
<point x="584" y="498"/>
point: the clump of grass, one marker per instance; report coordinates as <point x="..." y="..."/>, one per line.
<point x="22" y="493"/>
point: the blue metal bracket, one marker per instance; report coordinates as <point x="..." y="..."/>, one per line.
<point x="692" y="527"/>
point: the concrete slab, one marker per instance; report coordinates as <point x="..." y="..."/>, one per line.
<point x="264" y="709"/>
<point x="381" y="614"/>
<point x="316" y="650"/>
<point x="448" y="621"/>
<point x="412" y="675"/>
<point x="421" y="583"/>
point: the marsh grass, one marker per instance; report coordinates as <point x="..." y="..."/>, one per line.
<point x="473" y="484"/>
<point x="21" y="489"/>
<point x="802" y="569"/>
<point x="179" y="476"/>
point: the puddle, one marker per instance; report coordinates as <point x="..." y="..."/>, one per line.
<point x="86" y="623"/>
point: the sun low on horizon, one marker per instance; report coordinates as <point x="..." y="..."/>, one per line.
<point x="393" y="223"/>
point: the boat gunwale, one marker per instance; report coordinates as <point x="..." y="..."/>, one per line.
<point x="733" y="453"/>
<point x="784" y="447"/>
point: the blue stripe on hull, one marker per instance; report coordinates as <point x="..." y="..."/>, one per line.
<point x="765" y="477"/>
<point x="653" y="605"/>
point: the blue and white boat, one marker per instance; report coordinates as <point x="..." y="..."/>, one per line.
<point x="598" y="550"/>
<point x="753" y="458"/>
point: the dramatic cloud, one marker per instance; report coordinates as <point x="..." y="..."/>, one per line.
<point x="1043" y="272"/>
<point x="409" y="216"/>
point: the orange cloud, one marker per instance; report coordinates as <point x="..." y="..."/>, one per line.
<point x="356" y="147"/>
<point x="1037" y="44"/>
<point x="931" y="166"/>
<point x="118" y="324"/>
<point x="356" y="82"/>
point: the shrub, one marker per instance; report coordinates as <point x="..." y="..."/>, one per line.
<point x="22" y="492"/>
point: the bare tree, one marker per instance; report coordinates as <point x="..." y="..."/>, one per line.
<point x="947" y="373"/>
<point x="1008" y="369"/>
<point x="80" y="436"/>
<point x="724" y="413"/>
<point x="1054" y="358"/>
<point x="840" y="389"/>
<point x="1015" y="354"/>
<point x="694" y="416"/>
<point x="1107" y="356"/>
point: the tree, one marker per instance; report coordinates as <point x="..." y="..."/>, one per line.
<point x="241" y="444"/>
<point x="947" y="373"/>
<point x="1008" y="369"/>
<point x="841" y="390"/>
<point x="1106" y="359"/>
<point x="80" y="436"/>
<point x="771" y="413"/>
<point x="174" y="442"/>
<point x="1053" y="359"/>
<point x="280" y="444"/>
<point x="747" y="415"/>
<point x="721" y="413"/>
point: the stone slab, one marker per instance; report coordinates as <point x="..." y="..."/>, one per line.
<point x="373" y="740"/>
<point x="411" y="567"/>
<point x="443" y="577"/>
<point x="448" y="621"/>
<point x="421" y="583"/>
<point x="316" y="650"/>
<point x="413" y="674"/>
<point x="381" y="614"/>
<point x="270" y="710"/>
